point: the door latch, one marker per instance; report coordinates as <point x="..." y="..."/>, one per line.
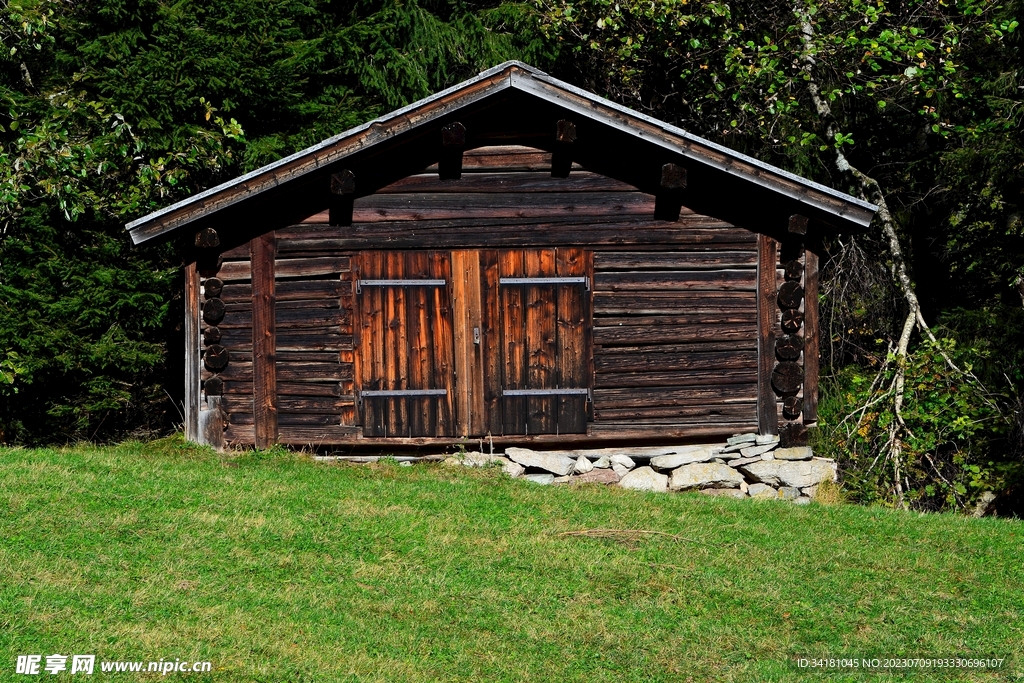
<point x="476" y="335"/>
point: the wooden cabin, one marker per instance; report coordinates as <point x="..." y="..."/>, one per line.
<point x="512" y="259"/>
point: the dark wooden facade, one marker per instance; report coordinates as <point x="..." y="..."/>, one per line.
<point x="540" y="276"/>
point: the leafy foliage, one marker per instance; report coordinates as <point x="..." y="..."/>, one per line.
<point x="112" y="109"/>
<point x="957" y="433"/>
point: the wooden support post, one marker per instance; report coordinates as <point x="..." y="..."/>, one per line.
<point x="192" y="348"/>
<point x="453" y="141"/>
<point x="669" y="199"/>
<point x="561" y="157"/>
<point x="811" y="337"/>
<point x="262" y="252"/>
<point x="343" y="189"/>
<point x="767" y="255"/>
<point x="467" y="319"/>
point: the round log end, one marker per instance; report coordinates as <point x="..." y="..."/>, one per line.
<point x="213" y="287"/>
<point x="213" y="386"/>
<point x="211" y="335"/>
<point x="213" y="311"/>
<point x="789" y="347"/>
<point x="787" y="378"/>
<point x="215" y="358"/>
<point x="791" y="295"/>
<point x="792" y="319"/>
<point x="792" y="406"/>
<point x="794" y="270"/>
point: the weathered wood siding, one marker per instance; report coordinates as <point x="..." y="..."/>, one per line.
<point x="674" y="304"/>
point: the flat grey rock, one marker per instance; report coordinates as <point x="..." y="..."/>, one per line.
<point x="789" y="493"/>
<point x="751" y="451"/>
<point x="551" y="462"/>
<point x="704" y="475"/>
<point x="645" y="479"/>
<point x="620" y="470"/>
<point x="761" y="440"/>
<point x="513" y="469"/>
<point x="583" y="465"/>
<point x="741" y="438"/>
<point x="623" y="460"/>
<point x="761" y="491"/>
<point x="670" y="462"/>
<point x="800" y="473"/>
<point x="735" y="448"/>
<point x="809" y="491"/>
<point x="542" y="479"/>
<point x="795" y="453"/>
<point x="724" y="493"/>
<point x="742" y="461"/>
<point x="603" y="463"/>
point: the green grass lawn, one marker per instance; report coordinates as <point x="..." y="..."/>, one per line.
<point x="277" y="568"/>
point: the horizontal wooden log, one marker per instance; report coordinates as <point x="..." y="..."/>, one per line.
<point x="291" y="318"/>
<point x="673" y="302"/>
<point x="507" y="182"/>
<point x="631" y="432"/>
<point x="417" y="207"/>
<point x="314" y="372"/>
<point x="677" y="378"/>
<point x="240" y="435"/>
<point x="308" y="356"/>
<point x="743" y="280"/>
<point x="729" y="411"/>
<point x="651" y="360"/>
<point x="672" y="334"/>
<point x="310" y="389"/>
<point x="724" y="317"/>
<point x="674" y="260"/>
<point x="308" y="419"/>
<point x="307" y="230"/>
<point x="234" y="271"/>
<point x="290" y="404"/>
<point x="729" y="346"/>
<point x="314" y="342"/>
<point x="660" y="396"/>
<point x="238" y="387"/>
<point x="297" y="435"/>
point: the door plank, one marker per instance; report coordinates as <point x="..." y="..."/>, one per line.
<point x="510" y="264"/>
<point x="491" y="341"/>
<point x="372" y="343"/>
<point x="460" y="321"/>
<point x="540" y="341"/>
<point x="444" y="360"/>
<point x="262" y="252"/>
<point x="571" y="358"/>
<point x="396" y="347"/>
<point x="422" y="412"/>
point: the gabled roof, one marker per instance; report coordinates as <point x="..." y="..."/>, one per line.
<point x="840" y="208"/>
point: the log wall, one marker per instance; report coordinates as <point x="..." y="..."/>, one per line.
<point x="675" y="321"/>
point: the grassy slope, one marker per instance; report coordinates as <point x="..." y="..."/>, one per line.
<point x="277" y="568"/>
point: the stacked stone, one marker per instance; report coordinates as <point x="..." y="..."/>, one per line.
<point x="746" y="466"/>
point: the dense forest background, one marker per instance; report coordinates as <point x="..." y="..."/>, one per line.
<point x="111" y="109"/>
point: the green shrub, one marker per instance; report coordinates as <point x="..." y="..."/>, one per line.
<point x="955" y="444"/>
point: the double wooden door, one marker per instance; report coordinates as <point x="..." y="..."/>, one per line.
<point x="474" y="342"/>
